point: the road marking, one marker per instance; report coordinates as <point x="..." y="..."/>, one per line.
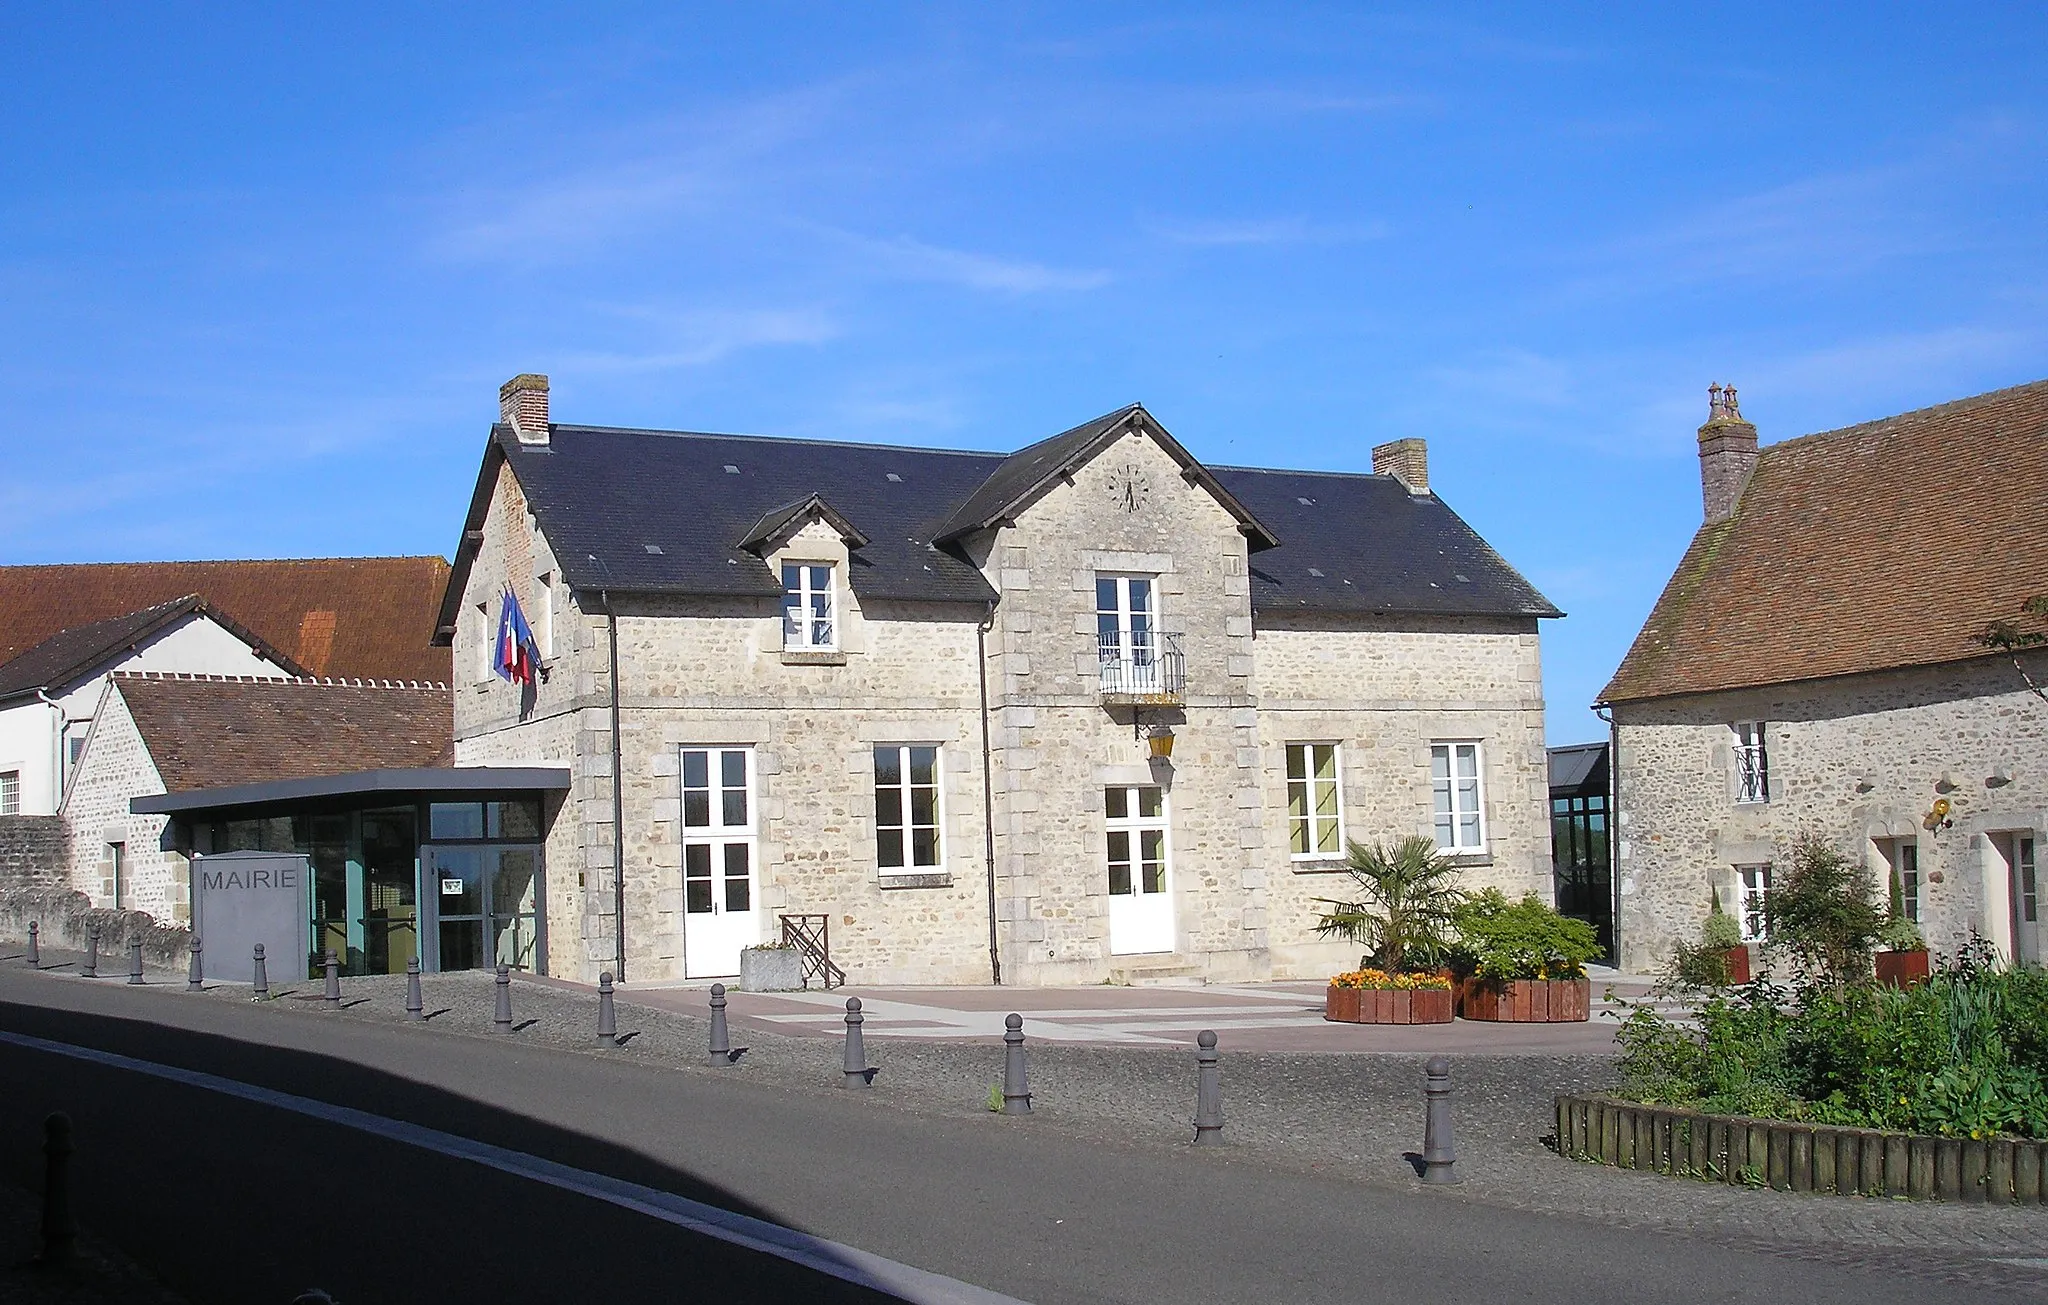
<point x="834" y="1259"/>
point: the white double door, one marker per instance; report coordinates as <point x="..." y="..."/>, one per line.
<point x="1138" y="846"/>
<point x="720" y="888"/>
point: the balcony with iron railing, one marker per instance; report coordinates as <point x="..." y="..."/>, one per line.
<point x="1146" y="672"/>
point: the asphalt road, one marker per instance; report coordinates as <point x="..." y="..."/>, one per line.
<point x="233" y="1200"/>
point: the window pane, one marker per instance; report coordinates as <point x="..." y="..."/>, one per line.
<point x="1297" y="837"/>
<point x="1440" y="763"/>
<point x="925" y="844"/>
<point x="924" y="765"/>
<point x="460" y="944"/>
<point x="1141" y="596"/>
<point x="459" y="872"/>
<point x="1326" y="763"/>
<point x="735" y="808"/>
<point x="512" y="887"/>
<point x="456" y="819"/>
<point x="1105" y="596"/>
<point x="1326" y="837"/>
<point x="792" y="579"/>
<point x="924" y="806"/>
<point x="1150" y="802"/>
<point x="738" y="886"/>
<point x="888" y="765"/>
<point x="697" y="896"/>
<point x="1152" y="853"/>
<point x="1116" y="802"/>
<point x="696" y="769"/>
<point x="732" y="769"/>
<point x="696" y="808"/>
<point x="889" y="847"/>
<point x="1119" y="878"/>
<point x="1297" y="761"/>
<point x="697" y="861"/>
<point x="889" y="808"/>
<point x="515" y="821"/>
<point x="1326" y="801"/>
<point x="1468" y="760"/>
<point x="1119" y="845"/>
<point x="1297" y="800"/>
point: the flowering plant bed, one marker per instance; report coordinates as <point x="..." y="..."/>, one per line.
<point x="1527" y="1001"/>
<point x="1376" y="997"/>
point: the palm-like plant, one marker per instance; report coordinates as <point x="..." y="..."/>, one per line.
<point x="1405" y="914"/>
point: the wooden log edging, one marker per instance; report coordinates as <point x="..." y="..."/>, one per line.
<point x="1796" y="1157"/>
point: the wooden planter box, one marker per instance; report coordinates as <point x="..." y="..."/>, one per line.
<point x="1528" y="1001"/>
<point x="1793" y="1157"/>
<point x="1388" y="1006"/>
<point x="1738" y="963"/>
<point x="1902" y="969"/>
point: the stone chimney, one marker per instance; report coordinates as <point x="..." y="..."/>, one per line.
<point x="1727" y="454"/>
<point x="523" y="405"/>
<point x="1406" y="461"/>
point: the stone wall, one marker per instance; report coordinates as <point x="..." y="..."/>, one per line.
<point x="64" y="918"/>
<point x="1853" y="760"/>
<point x="115" y="767"/>
<point x="35" y="852"/>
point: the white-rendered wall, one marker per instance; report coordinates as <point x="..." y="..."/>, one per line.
<point x="197" y="645"/>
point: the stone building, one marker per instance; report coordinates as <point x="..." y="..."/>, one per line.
<point x="1088" y="711"/>
<point x="1816" y="665"/>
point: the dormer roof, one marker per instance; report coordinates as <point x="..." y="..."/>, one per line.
<point x="780" y="522"/>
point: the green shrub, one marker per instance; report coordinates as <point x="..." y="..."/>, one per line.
<point x="1821" y="914"/>
<point x="1964" y="1054"/>
<point x="1409" y="898"/>
<point x="1720" y="933"/>
<point x="1695" y="969"/>
<point x="1501" y="941"/>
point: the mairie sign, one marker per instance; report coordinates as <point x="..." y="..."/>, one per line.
<point x="240" y="899"/>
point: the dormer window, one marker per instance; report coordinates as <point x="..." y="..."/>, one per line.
<point x="808" y="618"/>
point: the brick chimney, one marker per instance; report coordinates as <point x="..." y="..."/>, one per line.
<point x="523" y="405"/>
<point x="1406" y="461"/>
<point x="1727" y="454"/>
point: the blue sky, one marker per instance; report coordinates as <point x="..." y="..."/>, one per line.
<point x="262" y="269"/>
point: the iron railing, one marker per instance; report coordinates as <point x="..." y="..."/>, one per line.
<point x="1153" y="668"/>
<point x="811" y="935"/>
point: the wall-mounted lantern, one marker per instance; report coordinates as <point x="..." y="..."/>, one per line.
<point x="1159" y="742"/>
<point x="1938" y="817"/>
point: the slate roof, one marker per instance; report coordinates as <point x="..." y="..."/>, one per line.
<point x="1888" y="544"/>
<point x="1364" y="544"/>
<point x="665" y="512"/>
<point x="65" y="656"/>
<point x="353" y="617"/>
<point x="209" y="732"/>
<point x="1578" y="770"/>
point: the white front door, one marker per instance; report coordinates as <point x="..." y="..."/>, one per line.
<point x="1140" y="876"/>
<point x="718" y="860"/>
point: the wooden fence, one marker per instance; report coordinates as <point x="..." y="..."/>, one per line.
<point x="1801" y="1157"/>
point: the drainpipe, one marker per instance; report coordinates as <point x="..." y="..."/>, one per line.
<point x="56" y="751"/>
<point x="1606" y="713"/>
<point x="988" y="795"/>
<point x="611" y="621"/>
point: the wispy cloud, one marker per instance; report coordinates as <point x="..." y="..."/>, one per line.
<point x="906" y="258"/>
<point x="1266" y="231"/>
<point x="699" y="337"/>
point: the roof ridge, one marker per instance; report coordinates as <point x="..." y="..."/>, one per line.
<point x="1950" y="407"/>
<point x="778" y="439"/>
<point x="1300" y="471"/>
<point x="308" y="681"/>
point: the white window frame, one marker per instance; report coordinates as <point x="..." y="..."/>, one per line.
<point x="1129" y="656"/>
<point x="1446" y="799"/>
<point x="1902" y="858"/>
<point x="1752" y="887"/>
<point x="906" y="830"/>
<point x="1752" y="757"/>
<point x="812" y="632"/>
<point x="717" y="832"/>
<point x="1137" y="826"/>
<point x="1311" y="818"/>
<point x="10" y="792"/>
<point x="117" y="865"/>
<point x="2026" y="872"/>
<point x="486" y="643"/>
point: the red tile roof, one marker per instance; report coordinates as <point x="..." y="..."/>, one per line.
<point x="355" y="617"/>
<point x="214" y="731"/>
<point x="1889" y="544"/>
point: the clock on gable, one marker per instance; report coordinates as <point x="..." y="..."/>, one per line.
<point x="1128" y="487"/>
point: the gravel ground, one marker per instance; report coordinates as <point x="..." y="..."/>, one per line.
<point x="1355" y="1115"/>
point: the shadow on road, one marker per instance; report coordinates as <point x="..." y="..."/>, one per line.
<point x="229" y="1200"/>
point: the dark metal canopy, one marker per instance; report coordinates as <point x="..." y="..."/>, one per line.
<point x="426" y="779"/>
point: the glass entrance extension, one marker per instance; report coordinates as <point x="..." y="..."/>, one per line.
<point x="466" y="896"/>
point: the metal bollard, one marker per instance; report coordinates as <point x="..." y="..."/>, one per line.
<point x="195" y="973"/>
<point x="501" y="1019"/>
<point x="259" y="979"/>
<point x="1438" y="1155"/>
<point x="35" y="950"/>
<point x="1016" y="1079"/>
<point x="135" y="960"/>
<point x="607" y="1018"/>
<point x="854" y="1070"/>
<point x="1208" y="1090"/>
<point x="332" y="989"/>
<point x="58" y="1229"/>
<point x="415" y="1005"/>
<point x="92" y="953"/>
<point x="721" y="1039"/>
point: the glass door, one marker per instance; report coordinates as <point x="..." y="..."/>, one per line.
<point x="456" y="876"/>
